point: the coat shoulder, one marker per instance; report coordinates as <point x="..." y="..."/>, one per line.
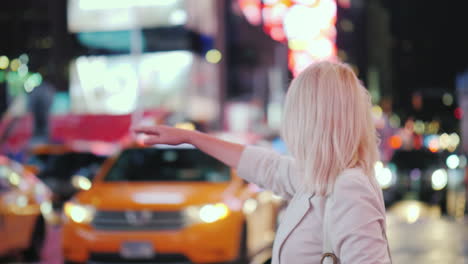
<point x="353" y="180"/>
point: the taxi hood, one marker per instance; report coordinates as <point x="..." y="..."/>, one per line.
<point x="144" y="195"/>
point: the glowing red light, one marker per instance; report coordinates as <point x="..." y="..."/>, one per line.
<point x="458" y="113"/>
<point x="267" y="16"/>
<point x="252" y="11"/>
<point x="395" y="142"/>
<point x="309" y="23"/>
<point x="344" y="3"/>
<point x="418" y="142"/>
<point x="277" y="34"/>
<point x="433" y="145"/>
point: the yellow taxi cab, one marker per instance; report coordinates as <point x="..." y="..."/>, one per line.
<point x="169" y="204"/>
<point x="25" y="208"/>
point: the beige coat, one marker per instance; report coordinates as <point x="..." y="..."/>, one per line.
<point x="356" y="213"/>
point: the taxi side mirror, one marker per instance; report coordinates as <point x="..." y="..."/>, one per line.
<point x="80" y="182"/>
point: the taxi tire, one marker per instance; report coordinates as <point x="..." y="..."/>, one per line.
<point x="33" y="253"/>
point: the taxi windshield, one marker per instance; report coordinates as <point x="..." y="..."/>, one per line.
<point x="181" y="165"/>
<point x="64" y="166"/>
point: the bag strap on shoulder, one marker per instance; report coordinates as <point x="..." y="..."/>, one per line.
<point x="328" y="255"/>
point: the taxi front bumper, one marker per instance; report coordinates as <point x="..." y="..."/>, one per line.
<point x="216" y="242"/>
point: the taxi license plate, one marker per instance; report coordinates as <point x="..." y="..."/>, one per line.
<point x="137" y="250"/>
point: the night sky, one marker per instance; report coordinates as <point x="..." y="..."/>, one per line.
<point x="429" y="49"/>
<point x="429" y="43"/>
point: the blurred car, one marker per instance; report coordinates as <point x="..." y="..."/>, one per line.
<point x="60" y="165"/>
<point x="25" y="207"/>
<point x="169" y="205"/>
<point x="414" y="174"/>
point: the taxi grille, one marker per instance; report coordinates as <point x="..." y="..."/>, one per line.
<point x="138" y="220"/>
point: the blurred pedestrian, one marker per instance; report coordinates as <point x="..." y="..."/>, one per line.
<point x="336" y="212"/>
<point x="40" y="102"/>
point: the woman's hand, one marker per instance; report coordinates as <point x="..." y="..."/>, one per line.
<point x="164" y="135"/>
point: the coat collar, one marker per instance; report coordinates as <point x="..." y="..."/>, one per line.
<point x="296" y="210"/>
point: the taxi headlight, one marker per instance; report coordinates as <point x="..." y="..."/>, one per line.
<point x="79" y="213"/>
<point x="207" y="213"/>
<point x="81" y="182"/>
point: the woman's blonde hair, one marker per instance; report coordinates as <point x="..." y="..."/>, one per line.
<point x="328" y="126"/>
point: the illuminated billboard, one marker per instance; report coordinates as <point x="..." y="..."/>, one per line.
<point x="177" y="81"/>
<point x="115" y="15"/>
<point x="111" y="15"/>
<point x="308" y="27"/>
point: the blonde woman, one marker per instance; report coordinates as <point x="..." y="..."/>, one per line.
<point x="336" y="212"/>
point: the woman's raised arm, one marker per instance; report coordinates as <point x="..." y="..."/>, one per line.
<point x="263" y="167"/>
<point x="227" y="152"/>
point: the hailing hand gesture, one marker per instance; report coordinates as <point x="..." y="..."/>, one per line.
<point x="227" y="152"/>
<point x="161" y="134"/>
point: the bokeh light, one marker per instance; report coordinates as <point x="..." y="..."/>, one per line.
<point x="444" y="140"/>
<point x="413" y="212"/>
<point x="377" y="111"/>
<point x="433" y="144"/>
<point x="463" y="161"/>
<point x="4" y="62"/>
<point x="24" y="58"/>
<point x="395" y="142"/>
<point x="384" y="178"/>
<point x="23" y="70"/>
<point x="439" y="179"/>
<point x="452" y="161"/>
<point x="395" y="121"/>
<point x="419" y="127"/>
<point x="458" y="113"/>
<point x="178" y="17"/>
<point x="213" y="56"/>
<point x="447" y="99"/>
<point x="32" y="82"/>
<point x="307" y="25"/>
<point x="15" y="64"/>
